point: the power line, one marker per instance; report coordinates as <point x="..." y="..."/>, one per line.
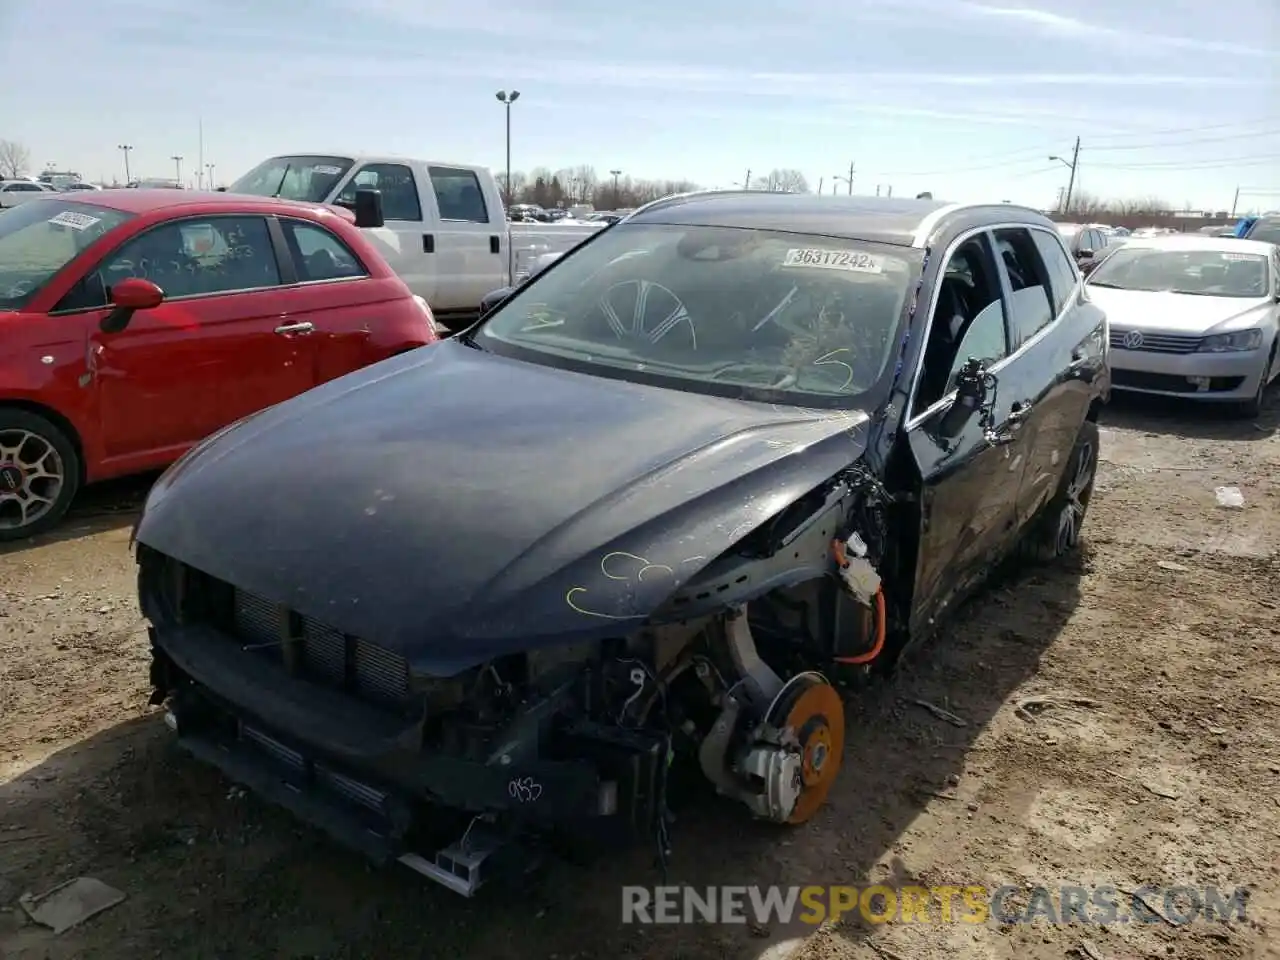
<point x="1028" y="154"/>
<point x="1197" y="164"/>
<point x="1180" y="143"/>
<point x="1200" y="128"/>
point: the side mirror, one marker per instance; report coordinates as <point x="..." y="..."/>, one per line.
<point x="494" y="299"/>
<point x="127" y="296"/>
<point x="368" y="208"/>
<point x="1084" y="254"/>
<point x="222" y="190"/>
<point x="971" y="397"/>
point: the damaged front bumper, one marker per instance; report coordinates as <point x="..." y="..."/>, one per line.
<point x="366" y="777"/>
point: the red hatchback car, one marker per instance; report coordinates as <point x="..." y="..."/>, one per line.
<point x="133" y="323"/>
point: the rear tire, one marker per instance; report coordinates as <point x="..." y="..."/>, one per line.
<point x="39" y="474"/>
<point x="1056" y="532"/>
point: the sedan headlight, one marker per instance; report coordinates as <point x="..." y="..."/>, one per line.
<point x="1232" y="342"/>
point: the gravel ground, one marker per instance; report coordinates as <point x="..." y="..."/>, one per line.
<point x="1166" y="771"/>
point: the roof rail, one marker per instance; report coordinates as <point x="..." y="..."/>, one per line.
<point x="676" y="197"/>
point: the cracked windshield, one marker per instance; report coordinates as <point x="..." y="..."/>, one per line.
<point x="710" y="308"/>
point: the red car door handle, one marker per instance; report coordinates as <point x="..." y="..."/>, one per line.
<point x="305" y="326"/>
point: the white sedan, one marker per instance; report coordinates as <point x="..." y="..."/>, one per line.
<point x="1192" y="316"/>
<point x="15" y="192"/>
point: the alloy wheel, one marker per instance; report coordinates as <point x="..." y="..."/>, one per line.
<point x="1071" y="519"/>
<point x="32" y="476"/>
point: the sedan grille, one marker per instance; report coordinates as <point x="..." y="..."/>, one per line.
<point x="1153" y="342"/>
<point x="321" y="652"/>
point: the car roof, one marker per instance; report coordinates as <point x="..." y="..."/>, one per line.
<point x="899" y="221"/>
<point x="143" y="200"/>
<point x="1200" y="241"/>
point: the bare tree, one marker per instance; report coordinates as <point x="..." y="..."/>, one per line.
<point x="789" y="181"/>
<point x="15" y="159"/>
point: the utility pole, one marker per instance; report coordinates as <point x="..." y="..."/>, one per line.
<point x="617" y="196"/>
<point x="851" y="178"/>
<point x="746" y="183"/>
<point x="125" y="148"/>
<point x="177" y="165"/>
<point x="1235" y="202"/>
<point x="1071" y="182"/>
<point x="820" y="181"/>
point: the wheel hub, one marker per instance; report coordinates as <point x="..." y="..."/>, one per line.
<point x="12" y="478"/>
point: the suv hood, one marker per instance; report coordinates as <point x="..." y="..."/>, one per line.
<point x="454" y="505"/>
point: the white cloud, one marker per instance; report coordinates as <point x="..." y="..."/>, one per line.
<point x="1061" y="25"/>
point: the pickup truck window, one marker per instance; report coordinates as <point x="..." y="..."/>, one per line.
<point x="319" y="254"/>
<point x="308" y="179"/>
<point x="458" y="195"/>
<point x="395" y="181"/>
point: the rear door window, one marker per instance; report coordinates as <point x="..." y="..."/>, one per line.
<point x="1030" y="308"/>
<point x="458" y="195"/>
<point x="319" y="254"/>
<point x="1062" y="272"/>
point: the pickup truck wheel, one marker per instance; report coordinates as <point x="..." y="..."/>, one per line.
<point x="1056" y="532"/>
<point x="39" y="474"/>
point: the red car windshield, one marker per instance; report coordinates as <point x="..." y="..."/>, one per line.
<point x="39" y="238"/>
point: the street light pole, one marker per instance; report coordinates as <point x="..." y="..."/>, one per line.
<point x="209" y="167"/>
<point x="507" y="99"/>
<point x="125" y="148"/>
<point x="177" y="165"/>
<point x="617" y="195"/>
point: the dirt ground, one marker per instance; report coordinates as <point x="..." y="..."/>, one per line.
<point x="1167" y="624"/>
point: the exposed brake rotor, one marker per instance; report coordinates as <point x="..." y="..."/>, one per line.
<point x="813" y="711"/>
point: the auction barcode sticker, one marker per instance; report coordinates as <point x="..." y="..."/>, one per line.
<point x="327" y="170"/>
<point x="76" y="221"/>
<point x="820" y="259"/>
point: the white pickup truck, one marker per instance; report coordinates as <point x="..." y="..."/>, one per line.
<point x="445" y="231"/>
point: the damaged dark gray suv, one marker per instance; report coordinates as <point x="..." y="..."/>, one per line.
<point x="633" y="525"/>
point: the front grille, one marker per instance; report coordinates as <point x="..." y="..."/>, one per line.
<point x="321" y="652"/>
<point x="1155" y="342"/>
<point x="1170" y="383"/>
<point x="301" y="767"/>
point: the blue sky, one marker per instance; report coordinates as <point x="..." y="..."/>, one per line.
<point x="967" y="98"/>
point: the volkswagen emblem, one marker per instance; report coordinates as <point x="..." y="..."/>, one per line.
<point x="1132" y="340"/>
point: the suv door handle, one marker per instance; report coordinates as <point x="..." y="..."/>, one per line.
<point x="428" y="243"/>
<point x="306" y="326"/>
